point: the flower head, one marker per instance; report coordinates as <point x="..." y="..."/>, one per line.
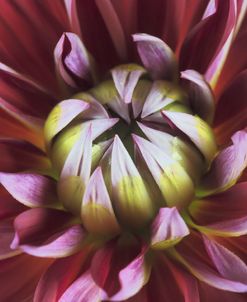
<point x="119" y="179"/>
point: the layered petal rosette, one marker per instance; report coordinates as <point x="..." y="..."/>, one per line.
<point x="124" y="149"/>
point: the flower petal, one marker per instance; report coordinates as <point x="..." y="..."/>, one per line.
<point x="161" y="94"/>
<point x="114" y="26"/>
<point x="200" y="95"/>
<point x="59" y="276"/>
<point x="22" y="271"/>
<point x="20" y="92"/>
<point x="209" y="293"/>
<point x="227" y="167"/>
<point x="175" y="184"/>
<point x="61" y="116"/>
<point x="7" y="232"/>
<point x="47" y="233"/>
<point x="9" y="207"/>
<point x="130" y="193"/>
<point x="107" y="94"/>
<point x="29" y="38"/>
<point x="12" y="127"/>
<point x="82" y="289"/>
<point x="156" y="56"/>
<point x="224" y="214"/>
<point x="73" y="61"/>
<point x="174" y="147"/>
<point x="70" y="136"/>
<point x="33" y="190"/>
<point x="97" y="212"/>
<point x="19" y="155"/>
<point x="170" y="282"/>
<point x="71" y="9"/>
<point x="168" y="228"/>
<point x="196" y="129"/>
<point x="132" y="278"/>
<point x="121" y="270"/>
<point x="212" y="263"/>
<point x="33" y="123"/>
<point x="231" y="116"/>
<point x="195" y="53"/>
<point x="125" y="78"/>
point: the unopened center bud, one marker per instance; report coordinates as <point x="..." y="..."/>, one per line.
<point x="123" y="149"/>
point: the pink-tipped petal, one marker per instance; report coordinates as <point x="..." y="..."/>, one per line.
<point x="95" y="110"/>
<point x="60" y="245"/>
<point x="61" y="116"/>
<point x="78" y="162"/>
<point x="156" y="56"/>
<point x="107" y="93"/>
<point x="32" y="190"/>
<point x="47" y="233"/>
<point x="73" y="61"/>
<point x="174" y="182"/>
<point x="168" y="228"/>
<point x="196" y="129"/>
<point x="200" y="94"/>
<point x="97" y="212"/>
<point x="129" y="190"/>
<point x="157" y="98"/>
<point x="227" y="167"/>
<point x="228" y="264"/>
<point x="126" y="79"/>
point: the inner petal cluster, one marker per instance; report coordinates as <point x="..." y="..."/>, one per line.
<point x="126" y="148"/>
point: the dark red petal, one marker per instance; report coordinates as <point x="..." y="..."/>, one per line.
<point x="19" y="277"/>
<point x="30" y="30"/>
<point x="170" y="282"/>
<point x="231" y="109"/>
<point x="209" y="293"/>
<point x="59" y="276"/>
<point x="206" y="39"/>
<point x="96" y="36"/>
<point x="18" y="155"/>
<point x="23" y="94"/>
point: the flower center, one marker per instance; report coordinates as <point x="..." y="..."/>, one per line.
<point x="126" y="148"/>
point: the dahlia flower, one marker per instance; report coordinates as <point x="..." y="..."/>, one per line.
<point x="123" y="150"/>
